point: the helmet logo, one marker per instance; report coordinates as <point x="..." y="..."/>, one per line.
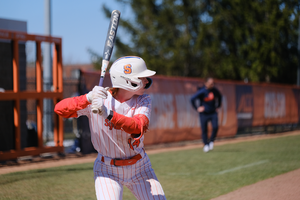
<point x="127" y="69"/>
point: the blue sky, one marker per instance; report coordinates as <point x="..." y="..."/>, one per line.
<point x="81" y="24"/>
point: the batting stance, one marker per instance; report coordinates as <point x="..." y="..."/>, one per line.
<point x="117" y="131"/>
<point x="210" y="99"/>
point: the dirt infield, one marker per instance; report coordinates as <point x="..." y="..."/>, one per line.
<point x="285" y="186"/>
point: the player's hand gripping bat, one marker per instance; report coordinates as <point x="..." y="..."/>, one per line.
<point x="109" y="45"/>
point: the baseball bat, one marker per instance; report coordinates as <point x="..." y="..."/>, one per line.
<point x="109" y="45"/>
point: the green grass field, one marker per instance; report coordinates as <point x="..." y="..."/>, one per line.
<point x="186" y="174"/>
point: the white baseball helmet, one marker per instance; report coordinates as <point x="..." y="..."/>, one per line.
<point x="126" y="71"/>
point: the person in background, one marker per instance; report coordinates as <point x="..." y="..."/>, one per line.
<point x="210" y="100"/>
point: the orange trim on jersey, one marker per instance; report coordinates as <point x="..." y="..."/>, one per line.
<point x="131" y="125"/>
<point x="68" y="107"/>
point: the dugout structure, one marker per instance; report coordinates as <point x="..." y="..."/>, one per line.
<point x="16" y="95"/>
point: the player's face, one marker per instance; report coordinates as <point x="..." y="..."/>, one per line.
<point x="210" y="83"/>
<point x="142" y="90"/>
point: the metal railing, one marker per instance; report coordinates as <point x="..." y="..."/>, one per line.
<point x="16" y="95"/>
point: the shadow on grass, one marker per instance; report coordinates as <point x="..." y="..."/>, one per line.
<point x="40" y="173"/>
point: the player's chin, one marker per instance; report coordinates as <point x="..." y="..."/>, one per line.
<point x="140" y="92"/>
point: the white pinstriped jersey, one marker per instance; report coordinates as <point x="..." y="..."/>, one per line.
<point x="109" y="141"/>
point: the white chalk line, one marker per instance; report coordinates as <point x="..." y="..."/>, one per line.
<point x="242" y="167"/>
<point x="225" y="171"/>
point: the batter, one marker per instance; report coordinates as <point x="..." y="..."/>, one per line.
<point x="117" y="131"/>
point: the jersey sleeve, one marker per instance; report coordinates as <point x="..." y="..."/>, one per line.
<point x="68" y="107"/>
<point x="138" y="124"/>
<point x="219" y="97"/>
<point x="195" y="97"/>
<point x="144" y="106"/>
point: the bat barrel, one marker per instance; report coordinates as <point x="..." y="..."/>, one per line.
<point x="111" y="34"/>
<point x="109" y="42"/>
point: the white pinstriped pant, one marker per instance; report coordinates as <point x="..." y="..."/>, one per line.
<point x="139" y="178"/>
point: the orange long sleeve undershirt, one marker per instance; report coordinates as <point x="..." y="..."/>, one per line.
<point x="68" y="108"/>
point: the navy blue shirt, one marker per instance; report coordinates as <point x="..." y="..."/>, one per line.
<point x="209" y="98"/>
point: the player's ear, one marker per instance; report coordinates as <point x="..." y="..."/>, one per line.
<point x="149" y="83"/>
